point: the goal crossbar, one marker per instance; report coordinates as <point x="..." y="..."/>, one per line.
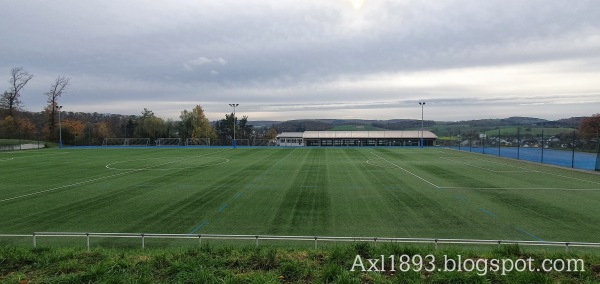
<point x="126" y="142"/>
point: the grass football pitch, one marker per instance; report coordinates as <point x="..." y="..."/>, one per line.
<point x="352" y="192"/>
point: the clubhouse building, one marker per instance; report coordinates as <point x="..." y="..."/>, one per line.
<point x="356" y="138"/>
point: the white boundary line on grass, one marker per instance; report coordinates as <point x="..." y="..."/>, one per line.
<point x="93" y="180"/>
<point x="376" y="165"/>
<point x="525" y="170"/>
<point x="413" y="174"/>
<point x="222" y="161"/>
<point x="521" y="188"/>
<point x="33" y="156"/>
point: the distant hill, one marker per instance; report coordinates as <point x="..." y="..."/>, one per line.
<point x="441" y="128"/>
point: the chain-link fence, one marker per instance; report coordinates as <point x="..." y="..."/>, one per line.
<point x="568" y="148"/>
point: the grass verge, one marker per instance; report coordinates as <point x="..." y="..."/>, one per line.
<point x="222" y="264"/>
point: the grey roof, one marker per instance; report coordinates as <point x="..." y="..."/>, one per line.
<point x="358" y="134"/>
<point x="290" y="135"/>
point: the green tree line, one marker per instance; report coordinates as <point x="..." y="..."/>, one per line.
<point x="79" y="128"/>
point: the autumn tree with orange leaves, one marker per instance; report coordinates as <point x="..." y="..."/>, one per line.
<point x="590" y="126"/>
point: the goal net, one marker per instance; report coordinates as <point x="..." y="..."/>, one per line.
<point x="264" y="142"/>
<point x="168" y="142"/>
<point x="242" y="142"/>
<point x="126" y="142"/>
<point x="197" y="142"/>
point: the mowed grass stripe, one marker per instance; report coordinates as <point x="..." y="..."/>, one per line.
<point x="93" y="205"/>
<point x="304" y="191"/>
<point x="426" y="210"/>
<point x="255" y="206"/>
<point x="182" y="210"/>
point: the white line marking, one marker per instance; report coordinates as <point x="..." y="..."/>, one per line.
<point x="487" y="169"/>
<point x="376" y="165"/>
<point x="522" y="188"/>
<point x="92" y="180"/>
<point x="222" y="161"/>
<point x="413" y="174"/>
<point x="33" y="156"/>
<point x="533" y="171"/>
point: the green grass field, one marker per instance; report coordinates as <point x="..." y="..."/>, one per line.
<point x="367" y="192"/>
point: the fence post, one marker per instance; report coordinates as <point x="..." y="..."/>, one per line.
<point x="566" y="247"/>
<point x="597" y="168"/>
<point x="34" y="241"/>
<point x="87" y="236"/>
<point x="315" y="242"/>
<point x="542" y="146"/>
<point x="256" y="241"/>
<point x="200" y="239"/>
<point x="498" y="142"/>
<point x="143" y="242"/>
<point x="459" y="139"/>
<point x="483" y="142"/>
<point x="518" y="143"/>
<point x="436" y="244"/>
<point x="573" y="152"/>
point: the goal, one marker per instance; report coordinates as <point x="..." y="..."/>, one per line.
<point x="242" y="142"/>
<point x="263" y="142"/>
<point x="168" y="142"/>
<point x="126" y="142"/>
<point x="197" y="142"/>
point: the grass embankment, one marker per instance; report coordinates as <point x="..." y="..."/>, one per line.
<point x="208" y="264"/>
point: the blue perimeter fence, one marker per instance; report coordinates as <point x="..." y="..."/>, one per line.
<point x="572" y="150"/>
<point x="563" y="158"/>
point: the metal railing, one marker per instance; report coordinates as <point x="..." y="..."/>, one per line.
<point x="316" y="239"/>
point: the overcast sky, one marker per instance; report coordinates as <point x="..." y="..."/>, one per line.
<point x="281" y="60"/>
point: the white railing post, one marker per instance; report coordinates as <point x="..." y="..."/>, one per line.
<point x="436" y="241"/>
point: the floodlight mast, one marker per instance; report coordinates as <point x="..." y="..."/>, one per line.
<point x="234" y="122"/>
<point x="60" y="143"/>
<point x="422" y="104"/>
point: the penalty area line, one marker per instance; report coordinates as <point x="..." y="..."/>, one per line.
<point x="411" y="173"/>
<point x="68" y="185"/>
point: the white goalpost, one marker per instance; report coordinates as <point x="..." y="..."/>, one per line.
<point x="197" y="142"/>
<point x="126" y="142"/>
<point x="168" y="142"/>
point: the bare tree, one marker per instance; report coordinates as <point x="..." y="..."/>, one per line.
<point x="18" y="79"/>
<point x="56" y="90"/>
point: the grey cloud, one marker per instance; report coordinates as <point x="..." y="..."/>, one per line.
<point x="281" y="53"/>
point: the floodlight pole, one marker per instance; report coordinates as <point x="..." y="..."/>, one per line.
<point x="60" y="143"/>
<point x="234" y="122"/>
<point x="422" y="104"/>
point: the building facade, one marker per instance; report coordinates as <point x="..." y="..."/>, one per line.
<point x="356" y="138"/>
